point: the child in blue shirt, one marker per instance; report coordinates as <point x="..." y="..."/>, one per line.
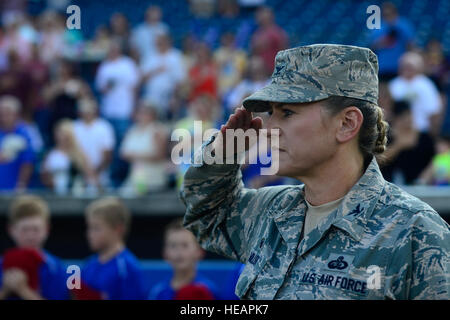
<point x="182" y="251"/>
<point x="113" y="273"/>
<point x="28" y="226"/>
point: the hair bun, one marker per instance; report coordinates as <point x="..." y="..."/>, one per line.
<point x="382" y="126"/>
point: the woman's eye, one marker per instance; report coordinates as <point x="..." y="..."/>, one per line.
<point x="287" y="113"/>
<point x="269" y="112"/>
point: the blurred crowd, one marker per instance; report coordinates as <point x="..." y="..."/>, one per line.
<point x="61" y="131"/>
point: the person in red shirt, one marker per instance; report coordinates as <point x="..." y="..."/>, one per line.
<point x="203" y="74"/>
<point x="268" y="39"/>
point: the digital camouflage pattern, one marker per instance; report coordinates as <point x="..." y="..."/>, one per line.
<point x="377" y="224"/>
<point x="316" y="72"/>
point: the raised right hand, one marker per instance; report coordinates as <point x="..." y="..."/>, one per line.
<point x="240" y="119"/>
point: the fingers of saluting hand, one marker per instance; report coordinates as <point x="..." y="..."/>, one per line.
<point x="242" y="119"/>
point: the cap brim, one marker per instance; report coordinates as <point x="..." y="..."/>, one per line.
<point x="259" y="101"/>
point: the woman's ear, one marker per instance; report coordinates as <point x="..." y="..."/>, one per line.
<point x="351" y="119"/>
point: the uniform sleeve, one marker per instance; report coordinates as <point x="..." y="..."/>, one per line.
<point x="221" y="213"/>
<point x="420" y="267"/>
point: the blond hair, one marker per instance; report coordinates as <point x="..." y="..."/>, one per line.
<point x="112" y="211"/>
<point x="26" y="206"/>
<point x="74" y="151"/>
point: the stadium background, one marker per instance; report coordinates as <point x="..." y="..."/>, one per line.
<point x="189" y="23"/>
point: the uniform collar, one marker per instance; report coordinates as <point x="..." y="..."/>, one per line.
<point x="359" y="203"/>
<point x="351" y="216"/>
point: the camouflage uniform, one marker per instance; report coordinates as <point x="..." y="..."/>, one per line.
<point x="377" y="230"/>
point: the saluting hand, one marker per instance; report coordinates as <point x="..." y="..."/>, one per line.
<point x="240" y="119"/>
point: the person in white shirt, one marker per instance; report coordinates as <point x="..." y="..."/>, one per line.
<point x="145" y="147"/>
<point x="143" y="37"/>
<point x="95" y="136"/>
<point x="413" y="86"/>
<point x="162" y="73"/>
<point x="116" y="79"/>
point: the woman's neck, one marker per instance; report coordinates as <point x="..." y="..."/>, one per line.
<point x="333" y="179"/>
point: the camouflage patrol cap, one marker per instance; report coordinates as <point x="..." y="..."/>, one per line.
<point x="316" y="72"/>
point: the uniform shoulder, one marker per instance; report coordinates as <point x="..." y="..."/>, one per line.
<point x="411" y="209"/>
<point x="394" y="196"/>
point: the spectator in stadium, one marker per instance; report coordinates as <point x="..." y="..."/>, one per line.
<point x="412" y="85"/>
<point x="16" y="153"/>
<point x="391" y="41"/>
<point x="65" y="162"/>
<point x="145" y="148"/>
<point x="117" y="80"/>
<point x="161" y="73"/>
<point x="120" y="31"/>
<point x="98" y="47"/>
<point x="268" y="39"/>
<point x="189" y="47"/>
<point x="61" y="95"/>
<point x="202" y="9"/>
<point x="52" y="28"/>
<point x="409" y="151"/>
<point x="438" y="171"/>
<point x="203" y="74"/>
<point x="143" y="37"/>
<point x="3" y="51"/>
<point x="228" y="9"/>
<point x="183" y="253"/>
<point x="18" y="81"/>
<point x="96" y="139"/>
<point x="28" y="227"/>
<point x="231" y="62"/>
<point x="385" y="100"/>
<point x="437" y="65"/>
<point x="113" y="272"/>
<point x="15" y="36"/>
<point x="39" y="74"/>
